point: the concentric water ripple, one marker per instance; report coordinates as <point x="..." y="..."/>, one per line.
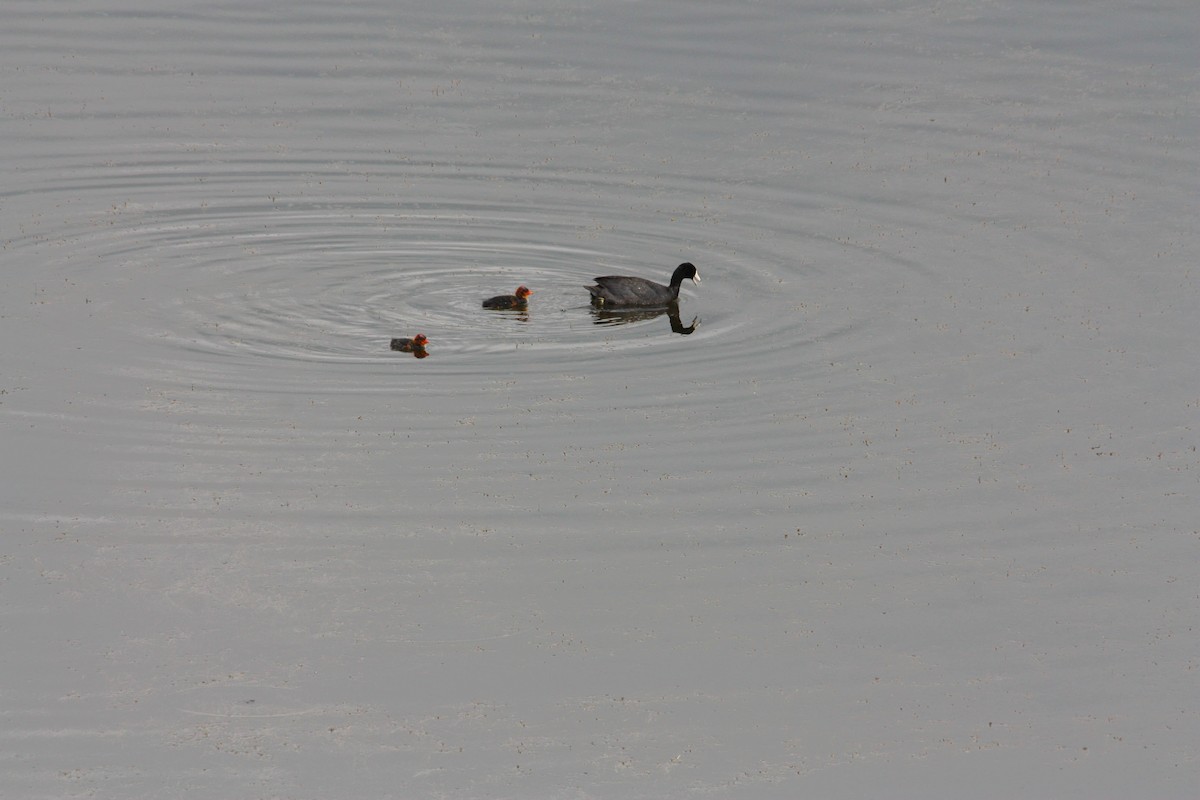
<point x="253" y="293"/>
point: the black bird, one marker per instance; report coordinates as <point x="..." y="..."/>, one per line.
<point x="515" y="301"/>
<point x="622" y="291"/>
<point x="413" y="345"/>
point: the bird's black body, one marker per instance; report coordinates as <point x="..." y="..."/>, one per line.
<point x="623" y="291"/>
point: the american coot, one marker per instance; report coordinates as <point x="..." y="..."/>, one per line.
<point x="413" y="345"/>
<point x="509" y="301"/>
<point x="621" y="291"/>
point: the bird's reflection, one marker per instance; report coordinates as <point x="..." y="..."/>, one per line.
<point x="608" y="316"/>
<point x="519" y="314"/>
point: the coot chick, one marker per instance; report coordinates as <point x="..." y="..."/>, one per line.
<point x="413" y="345"/>
<point x="622" y="291"/>
<point x="510" y="301"/>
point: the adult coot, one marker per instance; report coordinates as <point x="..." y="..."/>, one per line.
<point x="622" y="291"/>
<point x="515" y="301"/>
<point x="413" y="345"/>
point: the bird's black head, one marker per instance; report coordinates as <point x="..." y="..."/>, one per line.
<point x="685" y="270"/>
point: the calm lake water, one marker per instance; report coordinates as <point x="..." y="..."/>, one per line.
<point x="913" y="505"/>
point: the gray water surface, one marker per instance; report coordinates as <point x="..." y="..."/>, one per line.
<point x="911" y="512"/>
